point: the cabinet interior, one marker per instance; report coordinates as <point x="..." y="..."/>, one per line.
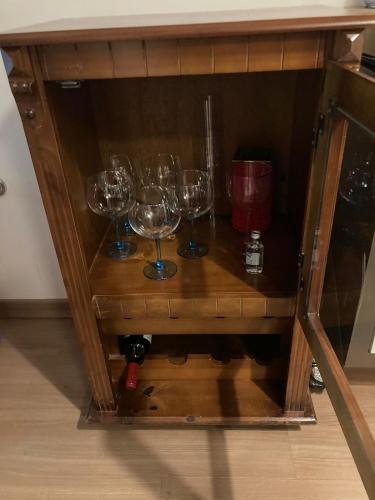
<point x="274" y="110"/>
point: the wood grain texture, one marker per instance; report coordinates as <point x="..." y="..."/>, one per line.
<point x="60" y="60"/>
<point x="301" y="50"/>
<point x="220" y="55"/>
<point x="266" y="52"/>
<point x="166" y="114"/>
<point x="349" y="414"/>
<point x="198" y="24"/>
<point x="96" y="59"/>
<point x="196" y="56"/>
<point x="182" y="326"/>
<point x="297" y="388"/>
<point x="221" y="401"/>
<point x="219" y="275"/>
<point x="129" y="59"/>
<point x="308" y="88"/>
<point x="231" y="55"/>
<point x="329" y="197"/>
<point x="163" y="57"/>
<point x="331" y="90"/>
<point x="78" y="145"/>
<point x="42" y="138"/>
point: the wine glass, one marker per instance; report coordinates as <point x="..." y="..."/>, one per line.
<point x="122" y="161"/>
<point x="159" y="169"/>
<point x="152" y="217"/>
<point x="111" y="193"/>
<point x="192" y="197"/>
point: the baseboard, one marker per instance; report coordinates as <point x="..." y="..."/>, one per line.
<point x="360" y="375"/>
<point x="43" y="308"/>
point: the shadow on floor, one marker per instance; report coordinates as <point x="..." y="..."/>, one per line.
<point x="50" y="346"/>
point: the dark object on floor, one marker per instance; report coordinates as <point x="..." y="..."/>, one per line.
<point x="316" y="381"/>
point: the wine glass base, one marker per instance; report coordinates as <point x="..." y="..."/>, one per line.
<point x="152" y="272"/>
<point x="189" y="252"/>
<point x="127" y="248"/>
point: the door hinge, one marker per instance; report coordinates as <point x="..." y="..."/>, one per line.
<point x="301" y="257"/>
<point x="318" y="130"/>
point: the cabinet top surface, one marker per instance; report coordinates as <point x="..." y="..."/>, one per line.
<point x="190" y="24"/>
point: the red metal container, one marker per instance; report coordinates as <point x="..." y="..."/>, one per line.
<point x="251" y="192"/>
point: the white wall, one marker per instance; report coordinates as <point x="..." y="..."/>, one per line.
<point x="28" y="265"/>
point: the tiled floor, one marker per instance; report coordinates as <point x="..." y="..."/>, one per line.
<point x="44" y="455"/>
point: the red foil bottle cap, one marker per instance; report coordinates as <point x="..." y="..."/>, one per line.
<point x="131" y="377"/>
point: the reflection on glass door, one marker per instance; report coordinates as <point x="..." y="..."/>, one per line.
<point x="348" y="302"/>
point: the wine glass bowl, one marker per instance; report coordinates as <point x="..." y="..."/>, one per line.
<point x="121" y="161"/>
<point x="152" y="217"/>
<point x="159" y="169"/>
<point x="110" y="193"/>
<point x="192" y="197"/>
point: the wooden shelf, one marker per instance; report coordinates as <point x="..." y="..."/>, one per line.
<point x="201" y="401"/>
<point x="200" y="392"/>
<point x="214" y="286"/>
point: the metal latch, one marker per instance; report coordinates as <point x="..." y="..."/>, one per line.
<point x="70" y="84"/>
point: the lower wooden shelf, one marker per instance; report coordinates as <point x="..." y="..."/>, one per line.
<point x="201" y="392"/>
<point x="201" y="401"/>
<point x="234" y="403"/>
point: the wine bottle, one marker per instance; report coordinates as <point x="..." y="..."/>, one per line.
<point x="134" y="347"/>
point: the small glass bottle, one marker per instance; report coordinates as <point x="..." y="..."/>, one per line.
<point x="254" y="251"/>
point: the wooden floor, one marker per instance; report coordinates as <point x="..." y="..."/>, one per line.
<point x="46" y="454"/>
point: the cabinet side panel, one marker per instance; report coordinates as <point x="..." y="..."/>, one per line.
<point x="72" y="113"/>
<point x="43" y="143"/>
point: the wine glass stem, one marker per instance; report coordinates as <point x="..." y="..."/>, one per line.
<point x="192" y="242"/>
<point x="115" y="220"/>
<point x="159" y="262"/>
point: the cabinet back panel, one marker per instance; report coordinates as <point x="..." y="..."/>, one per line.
<point x="166" y="115"/>
<point x="148" y="115"/>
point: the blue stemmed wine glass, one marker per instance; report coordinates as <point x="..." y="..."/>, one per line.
<point x="192" y="197"/>
<point x="152" y="217"/>
<point x="111" y="193"/>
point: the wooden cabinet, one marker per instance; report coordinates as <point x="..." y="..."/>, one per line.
<point x="87" y="89"/>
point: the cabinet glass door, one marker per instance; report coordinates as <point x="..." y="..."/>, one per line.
<point x="347" y="308"/>
<point x="337" y="304"/>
